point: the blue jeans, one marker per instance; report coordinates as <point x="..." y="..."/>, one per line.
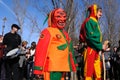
<point x="30" y="66"/>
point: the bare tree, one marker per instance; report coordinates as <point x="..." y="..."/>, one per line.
<point x="111" y="11"/>
<point x="20" y="9"/>
<point x="34" y="26"/>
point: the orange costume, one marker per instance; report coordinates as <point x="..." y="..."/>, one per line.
<point x="54" y="52"/>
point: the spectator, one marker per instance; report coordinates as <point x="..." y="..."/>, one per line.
<point x="107" y="55"/>
<point x="22" y="60"/>
<point x="118" y="61"/>
<point x="114" y="63"/>
<point x="12" y="40"/>
<point x="80" y="60"/>
<point x="2" y="69"/>
<point x="30" y="61"/>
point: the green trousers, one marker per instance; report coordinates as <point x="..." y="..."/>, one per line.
<point x="55" y="75"/>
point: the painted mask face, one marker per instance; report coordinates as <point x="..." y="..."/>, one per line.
<point x="59" y="18"/>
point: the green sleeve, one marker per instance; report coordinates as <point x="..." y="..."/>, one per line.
<point x="93" y="35"/>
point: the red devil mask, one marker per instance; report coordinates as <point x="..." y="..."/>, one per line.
<point x="58" y="18"/>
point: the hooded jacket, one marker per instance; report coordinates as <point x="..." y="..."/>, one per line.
<point x="90" y="30"/>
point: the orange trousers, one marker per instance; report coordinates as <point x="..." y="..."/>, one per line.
<point x="92" y="66"/>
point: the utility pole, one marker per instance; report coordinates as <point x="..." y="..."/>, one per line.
<point x="3" y="27"/>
